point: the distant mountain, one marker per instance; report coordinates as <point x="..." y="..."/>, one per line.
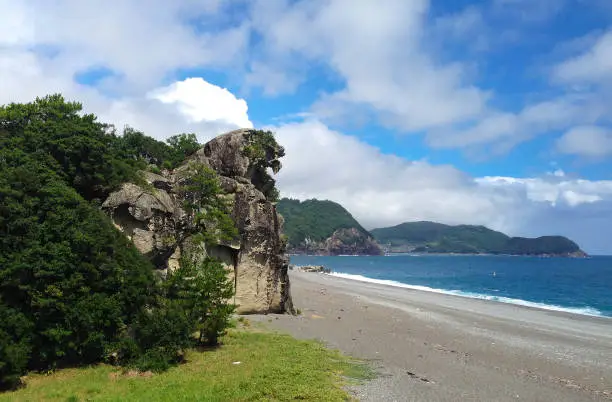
<point x="323" y="228"/>
<point x="431" y="237"/>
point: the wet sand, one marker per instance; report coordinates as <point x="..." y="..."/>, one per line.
<point x="435" y="347"/>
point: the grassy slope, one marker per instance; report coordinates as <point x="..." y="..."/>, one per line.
<point x="314" y="219"/>
<point x="273" y="367"/>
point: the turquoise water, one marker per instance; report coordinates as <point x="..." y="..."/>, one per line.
<point x="582" y="286"/>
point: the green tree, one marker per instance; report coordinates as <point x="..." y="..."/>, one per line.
<point x="203" y="289"/>
<point x="205" y="205"/>
<point x="65" y="268"/>
<point x="81" y="150"/>
<point x="183" y="145"/>
<point x="264" y="152"/>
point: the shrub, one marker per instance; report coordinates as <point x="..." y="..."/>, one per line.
<point x="162" y="334"/>
<point x="204" y="291"/>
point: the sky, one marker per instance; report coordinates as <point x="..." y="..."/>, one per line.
<point x="488" y="112"/>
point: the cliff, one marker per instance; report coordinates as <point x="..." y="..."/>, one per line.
<point x="432" y="237"/>
<point x="153" y="217"/>
<point x="324" y="228"/>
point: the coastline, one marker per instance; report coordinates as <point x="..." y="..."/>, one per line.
<point x="441" y="347"/>
<point x="586" y="311"/>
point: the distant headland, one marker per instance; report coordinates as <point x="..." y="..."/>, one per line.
<point x="326" y="228"/>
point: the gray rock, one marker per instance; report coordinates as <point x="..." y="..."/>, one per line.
<point x="314" y="268"/>
<point x="154" y="219"/>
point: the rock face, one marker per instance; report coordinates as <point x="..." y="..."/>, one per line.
<point x="154" y="218"/>
<point x="346" y="241"/>
<point x="351" y="242"/>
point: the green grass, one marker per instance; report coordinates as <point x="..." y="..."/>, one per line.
<point x="272" y="367"/>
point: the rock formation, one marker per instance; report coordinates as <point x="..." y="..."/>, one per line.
<point x="154" y="218"/>
<point x="351" y="241"/>
<point x="346" y="241"/>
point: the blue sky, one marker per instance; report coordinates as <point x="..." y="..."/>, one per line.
<point x="494" y="112"/>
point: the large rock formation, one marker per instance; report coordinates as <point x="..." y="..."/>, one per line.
<point x="154" y="218"/>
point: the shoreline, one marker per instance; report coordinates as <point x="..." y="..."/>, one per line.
<point x="440" y="347"/>
<point x="587" y="311"/>
<point x="425" y="254"/>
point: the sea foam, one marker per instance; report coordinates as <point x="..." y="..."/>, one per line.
<point x="590" y="311"/>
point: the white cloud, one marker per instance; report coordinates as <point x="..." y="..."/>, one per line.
<point x="378" y="52"/>
<point x="44" y="46"/>
<point x="588" y="141"/>
<point x="201" y="101"/>
<point x="591" y="66"/>
<point x="505" y="130"/>
<point x="555" y="189"/>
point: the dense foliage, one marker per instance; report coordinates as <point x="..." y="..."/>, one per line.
<point x="264" y="152"/>
<point x="79" y="149"/>
<point x="67" y="274"/>
<point x="73" y="289"/>
<point x="158" y="155"/>
<point x="207" y="211"/>
<point x="314" y="220"/>
<point x="466" y="239"/>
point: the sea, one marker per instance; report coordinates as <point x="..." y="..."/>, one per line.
<point x="574" y="285"/>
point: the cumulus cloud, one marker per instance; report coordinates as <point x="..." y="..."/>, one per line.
<point x="200" y="101"/>
<point x="388" y="63"/>
<point x="45" y="48"/>
<point x="139" y="44"/>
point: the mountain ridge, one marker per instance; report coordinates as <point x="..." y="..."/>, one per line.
<point x="438" y="238"/>
<point x="324" y="227"/>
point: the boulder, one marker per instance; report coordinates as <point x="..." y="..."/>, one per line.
<point x="315" y="268"/>
<point x="153" y="218"/>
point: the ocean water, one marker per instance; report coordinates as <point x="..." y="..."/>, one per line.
<point x="576" y="285"/>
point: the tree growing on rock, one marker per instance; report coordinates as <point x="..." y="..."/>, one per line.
<point x="264" y="153"/>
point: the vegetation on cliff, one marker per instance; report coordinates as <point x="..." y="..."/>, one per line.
<point x="314" y="219"/>
<point x="323" y="227"/>
<point x="431" y="237"/>
<point x="73" y="289"/>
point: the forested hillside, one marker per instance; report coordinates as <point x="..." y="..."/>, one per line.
<point x="432" y="237"/>
<point x="314" y="219"/>
<point x="323" y="227"/>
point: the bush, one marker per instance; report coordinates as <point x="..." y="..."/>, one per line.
<point x="162" y="335"/>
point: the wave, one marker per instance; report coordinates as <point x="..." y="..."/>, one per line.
<point x="590" y="311"/>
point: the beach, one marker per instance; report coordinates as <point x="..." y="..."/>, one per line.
<point x="427" y="346"/>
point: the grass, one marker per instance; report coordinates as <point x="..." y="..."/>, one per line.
<point x="273" y="367"/>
